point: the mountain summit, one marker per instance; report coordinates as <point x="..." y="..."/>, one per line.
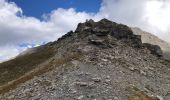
<point x="98" y="61"/>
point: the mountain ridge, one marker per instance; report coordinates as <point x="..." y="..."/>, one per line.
<point x="96" y="57"/>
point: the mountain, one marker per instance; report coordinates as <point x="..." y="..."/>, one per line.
<point x="98" y="61"/>
<point x="152" y="39"/>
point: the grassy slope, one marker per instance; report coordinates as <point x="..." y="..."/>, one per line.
<point x="17" y="67"/>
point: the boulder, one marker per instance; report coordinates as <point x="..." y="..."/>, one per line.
<point x="155" y="49"/>
<point x="96" y="41"/>
<point x="120" y="31"/>
<point x="100" y="32"/>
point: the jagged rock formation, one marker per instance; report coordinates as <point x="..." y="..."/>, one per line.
<point x="99" y="61"/>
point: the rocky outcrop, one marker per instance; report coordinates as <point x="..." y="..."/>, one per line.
<point x="102" y="32"/>
<point x="155" y="49"/>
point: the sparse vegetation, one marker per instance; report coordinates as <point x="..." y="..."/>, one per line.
<point x="37" y="71"/>
<point x="139" y="95"/>
<point x="17" y="67"/>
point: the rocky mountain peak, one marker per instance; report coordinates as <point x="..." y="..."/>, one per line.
<point x="108" y="28"/>
<point x="100" y="60"/>
<point x="104" y="32"/>
<point x="105" y="27"/>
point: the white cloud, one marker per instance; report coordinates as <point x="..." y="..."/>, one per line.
<point x="158" y="17"/>
<point x="8" y="52"/>
<point x="15" y="28"/>
<point x="20" y="29"/>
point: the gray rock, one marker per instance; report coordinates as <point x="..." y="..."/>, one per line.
<point x="159" y="97"/>
<point x="155" y="49"/>
<point x="97" y="79"/>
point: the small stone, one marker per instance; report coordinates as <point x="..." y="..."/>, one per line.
<point x="142" y="72"/>
<point x="150" y="68"/>
<point x="91" y="85"/>
<point x="35" y="84"/>
<point x="116" y="98"/>
<point x="148" y="87"/>
<point x="107" y="81"/>
<point x="28" y="94"/>
<point x="80" y="97"/>
<point x="105" y="60"/>
<point x="72" y="90"/>
<point x="92" y="96"/>
<point x="11" y="97"/>
<point x="132" y="68"/>
<point x="26" y="90"/>
<point x="159" y="97"/>
<point x="168" y="93"/>
<point x="108" y="77"/>
<point x="96" y="79"/>
<point x="81" y="83"/>
<point x="96" y="41"/>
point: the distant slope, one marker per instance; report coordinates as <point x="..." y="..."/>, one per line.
<point x="20" y="65"/>
<point x="152" y="39"/>
<point x="27" y="51"/>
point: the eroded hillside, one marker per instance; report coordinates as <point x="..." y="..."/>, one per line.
<point x="99" y="61"/>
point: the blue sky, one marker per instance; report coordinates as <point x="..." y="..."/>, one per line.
<point x="37" y="8"/>
<point x="30" y="23"/>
